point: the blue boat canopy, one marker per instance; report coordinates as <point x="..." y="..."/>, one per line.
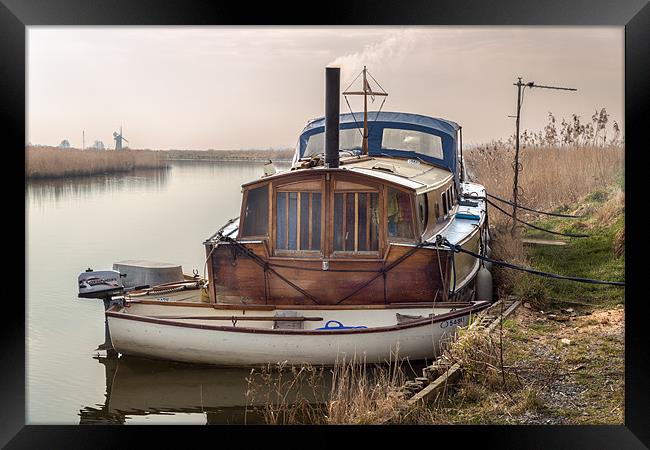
<point x="389" y="134"/>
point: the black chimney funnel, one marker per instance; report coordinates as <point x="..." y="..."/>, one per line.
<point x="332" y="108"/>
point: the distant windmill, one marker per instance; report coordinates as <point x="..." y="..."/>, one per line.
<point x="118" y="139"/>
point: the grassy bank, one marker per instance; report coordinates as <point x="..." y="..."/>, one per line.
<point x="563" y="351"/>
<point x="600" y="256"/>
<point x="53" y="162"/>
<point x="568" y="371"/>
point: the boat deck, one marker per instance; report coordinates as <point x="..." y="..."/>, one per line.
<point x="466" y="218"/>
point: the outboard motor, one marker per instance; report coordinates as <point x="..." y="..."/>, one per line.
<point x="100" y="284"/>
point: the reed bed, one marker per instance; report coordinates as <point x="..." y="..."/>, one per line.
<point x="53" y="162"/>
<point x="231" y="155"/>
<point x="550" y="178"/>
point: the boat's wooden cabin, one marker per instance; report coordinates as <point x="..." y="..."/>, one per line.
<point x="346" y="235"/>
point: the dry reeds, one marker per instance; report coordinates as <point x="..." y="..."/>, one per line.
<point x="231" y="155"/>
<point x="549" y="178"/>
<point x="53" y="162"/>
<point x="358" y="393"/>
<point x="287" y="394"/>
<point x="365" y="395"/>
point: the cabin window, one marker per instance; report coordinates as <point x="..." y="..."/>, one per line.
<point x="412" y="141"/>
<point x="349" y="139"/>
<point x="298" y="221"/>
<point x="450" y="197"/>
<point x="445" y="206"/>
<point x="256" y="214"/>
<point x="400" y="217"/>
<point x="422" y="211"/>
<point x="356" y="221"/>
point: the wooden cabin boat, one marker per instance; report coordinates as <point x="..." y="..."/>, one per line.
<point x="342" y="254"/>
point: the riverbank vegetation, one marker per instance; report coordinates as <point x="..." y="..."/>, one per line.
<point x="54" y="162"/>
<point x="563" y="350"/>
<point x="231" y="155"/>
<point x="559" y="359"/>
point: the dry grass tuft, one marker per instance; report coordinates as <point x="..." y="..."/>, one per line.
<point x="52" y="162"/>
<point x="478" y="354"/>
<point x="619" y="243"/>
<point x="363" y="395"/>
<point x="505" y="247"/>
<point x="612" y="208"/>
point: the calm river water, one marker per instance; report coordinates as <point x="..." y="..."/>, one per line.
<point x="73" y="224"/>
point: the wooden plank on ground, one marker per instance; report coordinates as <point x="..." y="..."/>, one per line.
<point x="543" y="242"/>
<point x="438" y="386"/>
<point x="448" y="378"/>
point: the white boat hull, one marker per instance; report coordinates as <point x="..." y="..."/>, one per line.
<point x="250" y="344"/>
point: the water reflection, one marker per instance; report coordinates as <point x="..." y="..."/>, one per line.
<point x="138" y="387"/>
<point x="140" y="390"/>
<point x="41" y="193"/>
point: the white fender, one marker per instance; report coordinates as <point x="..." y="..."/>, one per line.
<point x="484" y="285"/>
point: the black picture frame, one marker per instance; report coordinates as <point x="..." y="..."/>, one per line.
<point x="634" y="15"/>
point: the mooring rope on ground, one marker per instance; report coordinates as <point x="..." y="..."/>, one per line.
<point x="535" y="226"/>
<point x="459" y="249"/>
<point x="531" y="209"/>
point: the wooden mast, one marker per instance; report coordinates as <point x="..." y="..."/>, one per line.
<point x="364" y="147"/>
<point x="367" y="90"/>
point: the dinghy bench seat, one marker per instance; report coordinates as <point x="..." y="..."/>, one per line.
<point x="288" y="324"/>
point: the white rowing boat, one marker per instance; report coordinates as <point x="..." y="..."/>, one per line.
<point x="245" y="337"/>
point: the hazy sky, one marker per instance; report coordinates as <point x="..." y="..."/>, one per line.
<point x="255" y="87"/>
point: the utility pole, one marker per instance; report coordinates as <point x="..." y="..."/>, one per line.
<point x="462" y="163"/>
<point x="516" y="165"/>
<point x="515" y="185"/>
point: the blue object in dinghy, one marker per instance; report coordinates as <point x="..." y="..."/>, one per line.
<point x="468" y="216"/>
<point x="338" y="326"/>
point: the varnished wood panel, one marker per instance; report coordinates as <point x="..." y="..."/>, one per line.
<point x="344" y="185"/>
<point x="416" y="279"/>
<point x="305" y="185"/>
